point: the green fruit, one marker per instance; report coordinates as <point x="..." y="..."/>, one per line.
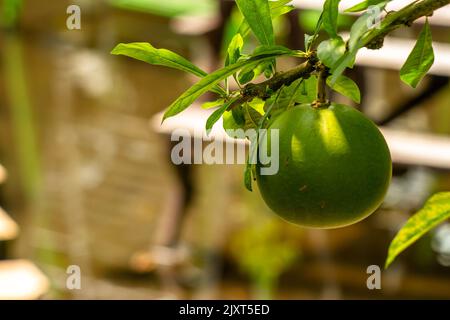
<point x="334" y="167"/>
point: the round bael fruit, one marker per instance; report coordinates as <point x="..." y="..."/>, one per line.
<point x="334" y="166"/>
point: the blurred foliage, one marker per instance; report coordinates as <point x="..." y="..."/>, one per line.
<point x="9" y="12"/>
<point x="264" y="249"/>
<point x="308" y="20"/>
<point x="435" y="211"/>
<point x="169" y="8"/>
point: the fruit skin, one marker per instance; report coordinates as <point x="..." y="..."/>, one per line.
<point x="334" y="167"/>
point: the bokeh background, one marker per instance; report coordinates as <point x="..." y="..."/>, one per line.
<point x="90" y="181"/>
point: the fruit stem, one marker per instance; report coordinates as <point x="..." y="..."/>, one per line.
<point x="322" y="100"/>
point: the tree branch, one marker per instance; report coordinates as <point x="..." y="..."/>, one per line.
<point x="404" y="17"/>
<point x="260" y="90"/>
<point x="373" y="40"/>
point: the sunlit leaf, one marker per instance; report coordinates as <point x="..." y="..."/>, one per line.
<point x="330" y="17"/>
<point x="364" y="5"/>
<point x="420" y="60"/>
<point x="213" y="104"/>
<point x="168" y="8"/>
<point x="330" y="51"/>
<point x="359" y="28"/>
<point x="308" y="90"/>
<point x="234" y="49"/>
<point x="257" y="15"/>
<point x="188" y="97"/>
<point x="347" y="87"/>
<point x="435" y="211"/>
<point x="215" y="116"/>
<point x="252" y="117"/>
<point x="343" y="63"/>
<point x="309" y="40"/>
<point x="233" y="120"/>
<point x="144" y="51"/>
<point x="250" y="73"/>
<point x="248" y="177"/>
<point x="277" y="8"/>
<point x="357" y="32"/>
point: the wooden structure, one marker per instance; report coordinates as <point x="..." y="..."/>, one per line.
<point x="407" y="148"/>
<point x="19" y="279"/>
<point x="9" y="229"/>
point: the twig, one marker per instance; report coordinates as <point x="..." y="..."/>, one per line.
<point x="404" y="17"/>
<point x="373" y="40"/>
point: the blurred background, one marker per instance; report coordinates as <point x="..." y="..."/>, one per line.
<point x="88" y="181"/>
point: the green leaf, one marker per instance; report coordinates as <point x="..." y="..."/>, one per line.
<point x="249" y="73"/>
<point x="358" y="29"/>
<point x="213" y="104"/>
<point x="248" y="177"/>
<point x="238" y="116"/>
<point x="330" y="51"/>
<point x="246" y="75"/>
<point x="300" y="91"/>
<point x="308" y="90"/>
<point x="286" y="98"/>
<point x="330" y="17"/>
<point x="347" y="87"/>
<point x="234" y="49"/>
<point x="435" y="211"/>
<point x="234" y="119"/>
<point x="278" y="4"/>
<point x="171" y="9"/>
<point x="257" y="14"/>
<point x="206" y="83"/>
<point x="146" y="52"/>
<point x="277" y="8"/>
<point x="309" y="40"/>
<point x="357" y="32"/>
<point x="275" y="50"/>
<point x="252" y="117"/>
<point x="420" y="60"/>
<point x="276" y="12"/>
<point x="364" y="5"/>
<point x="345" y="61"/>
<point x="215" y="116"/>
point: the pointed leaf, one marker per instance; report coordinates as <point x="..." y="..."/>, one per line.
<point x="330" y="51"/>
<point x="358" y="30"/>
<point x="234" y="49"/>
<point x="146" y="52"/>
<point x="205" y="84"/>
<point x="277" y="8"/>
<point x="215" y="116"/>
<point x="248" y="177"/>
<point x="364" y="5"/>
<point x="420" y="60"/>
<point x="435" y="211"/>
<point x="252" y="117"/>
<point x="330" y="17"/>
<point x="257" y="14"/>
<point x="213" y="104"/>
<point x="347" y="87"/>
